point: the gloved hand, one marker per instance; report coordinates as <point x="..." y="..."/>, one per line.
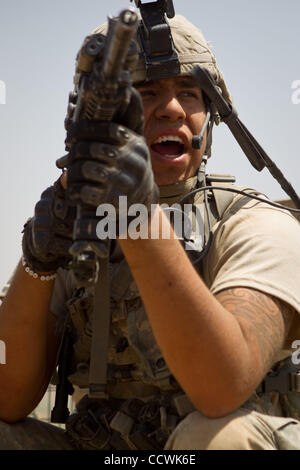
<point x="109" y="159"/>
<point x="47" y="236"/>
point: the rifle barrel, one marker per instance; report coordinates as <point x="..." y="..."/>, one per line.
<point x="119" y="38"/>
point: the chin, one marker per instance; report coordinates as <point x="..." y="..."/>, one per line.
<point x="165" y="181"/>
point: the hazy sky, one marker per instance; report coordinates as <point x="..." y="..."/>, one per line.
<point x="257" y="45"/>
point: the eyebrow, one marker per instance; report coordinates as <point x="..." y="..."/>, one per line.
<point x="188" y="82"/>
<point x="144" y="84"/>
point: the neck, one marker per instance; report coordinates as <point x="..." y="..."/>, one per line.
<point x="172" y="193"/>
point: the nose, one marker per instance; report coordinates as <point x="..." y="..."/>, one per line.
<point x="170" y="108"/>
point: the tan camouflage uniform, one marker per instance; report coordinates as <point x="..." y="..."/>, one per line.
<point x="136" y="366"/>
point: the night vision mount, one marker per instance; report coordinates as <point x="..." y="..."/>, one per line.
<point x="156" y="41"/>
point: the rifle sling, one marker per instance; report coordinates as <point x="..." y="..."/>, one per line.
<point x="100" y="338"/>
<point x="251" y="148"/>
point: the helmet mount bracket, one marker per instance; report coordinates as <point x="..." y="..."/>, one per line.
<point x="156" y="41"/>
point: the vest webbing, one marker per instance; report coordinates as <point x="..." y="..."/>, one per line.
<point x="222" y="200"/>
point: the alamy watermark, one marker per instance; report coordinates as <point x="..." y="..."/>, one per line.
<point x="296" y="93"/>
<point x="296" y="354"/>
<point x="187" y="222"/>
<point x="2" y="92"/>
<point x="2" y="352"/>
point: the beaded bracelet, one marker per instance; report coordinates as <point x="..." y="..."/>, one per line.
<point x="42" y="277"/>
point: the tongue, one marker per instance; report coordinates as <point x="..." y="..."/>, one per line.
<point x="168" y="148"/>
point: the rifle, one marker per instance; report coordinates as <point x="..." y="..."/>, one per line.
<point x="102" y="77"/>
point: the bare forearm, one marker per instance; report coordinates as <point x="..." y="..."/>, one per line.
<point x="202" y="342"/>
<point x="26" y="327"/>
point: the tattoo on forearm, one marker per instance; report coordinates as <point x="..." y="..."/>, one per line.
<point x="264" y="318"/>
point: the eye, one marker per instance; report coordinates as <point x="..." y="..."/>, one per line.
<point x="189" y="94"/>
<point x="147" y="93"/>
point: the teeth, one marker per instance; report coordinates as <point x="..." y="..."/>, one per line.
<point x="166" y="138"/>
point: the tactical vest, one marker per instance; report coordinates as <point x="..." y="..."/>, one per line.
<point x="136" y="367"/>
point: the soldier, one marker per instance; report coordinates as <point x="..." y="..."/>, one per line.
<point x="190" y="345"/>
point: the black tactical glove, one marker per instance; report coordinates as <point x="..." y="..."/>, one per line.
<point x="108" y="160"/>
<point x="48" y="235"/>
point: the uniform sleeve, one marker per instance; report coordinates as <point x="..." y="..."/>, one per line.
<point x="258" y="247"/>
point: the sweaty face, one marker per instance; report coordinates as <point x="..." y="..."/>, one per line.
<point x="174" y="111"/>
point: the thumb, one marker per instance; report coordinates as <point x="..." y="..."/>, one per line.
<point x="63" y="180"/>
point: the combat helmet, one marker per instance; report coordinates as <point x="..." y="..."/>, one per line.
<point x="190" y="49"/>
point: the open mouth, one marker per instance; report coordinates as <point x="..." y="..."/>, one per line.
<point x="169" y="146"/>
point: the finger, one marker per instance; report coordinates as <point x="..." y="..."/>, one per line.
<point x="61" y="246"/>
<point x="133" y="164"/>
<point x="106" y="132"/>
<point x="123" y="183"/>
<point x="46" y="195"/>
<point x="102" y="152"/>
<point x="89" y="194"/>
<point x="88" y="171"/>
<point x="43" y="208"/>
<point x="63" y="179"/>
<point x="63" y="162"/>
<point x="48" y="248"/>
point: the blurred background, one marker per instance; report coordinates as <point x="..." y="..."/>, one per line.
<point x="257" y="46"/>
